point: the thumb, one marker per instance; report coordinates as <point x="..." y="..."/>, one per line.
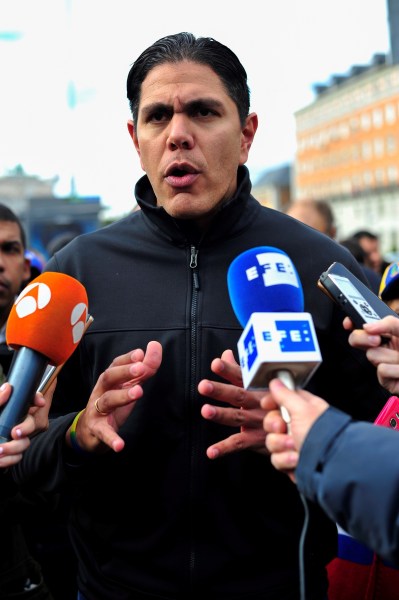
<point x="282" y="395"/>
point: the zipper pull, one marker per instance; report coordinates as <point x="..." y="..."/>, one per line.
<point x="193" y="266"/>
<point x="193" y="259"/>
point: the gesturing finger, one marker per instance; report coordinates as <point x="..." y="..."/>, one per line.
<point x="228" y="368"/>
<point x="249" y="439"/>
<point x="230" y="394"/>
<point x="233" y="417"/>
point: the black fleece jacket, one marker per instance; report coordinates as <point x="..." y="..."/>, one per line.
<point x="160" y="520"/>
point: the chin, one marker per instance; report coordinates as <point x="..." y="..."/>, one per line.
<point x="182" y="208"/>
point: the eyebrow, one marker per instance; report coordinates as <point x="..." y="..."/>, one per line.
<point x="186" y="106"/>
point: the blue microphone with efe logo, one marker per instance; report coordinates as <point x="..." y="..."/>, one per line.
<point x="279" y="338"/>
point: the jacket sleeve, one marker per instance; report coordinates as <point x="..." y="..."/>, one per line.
<point x="350" y="468"/>
<point x="46" y="465"/>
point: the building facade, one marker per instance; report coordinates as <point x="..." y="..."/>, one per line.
<point x="348" y="150"/>
<point x="49" y="221"/>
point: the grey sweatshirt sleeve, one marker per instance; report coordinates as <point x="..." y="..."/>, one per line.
<point x="351" y="469"/>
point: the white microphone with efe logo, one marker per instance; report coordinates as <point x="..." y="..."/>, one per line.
<point x="279" y="339"/>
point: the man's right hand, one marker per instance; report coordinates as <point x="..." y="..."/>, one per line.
<point x="113" y="399"/>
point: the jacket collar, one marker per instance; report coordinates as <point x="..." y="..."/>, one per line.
<point x="232" y="216"/>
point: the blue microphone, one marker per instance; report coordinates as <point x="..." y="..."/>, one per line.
<point x="279" y="339"/>
<point x="263" y="279"/>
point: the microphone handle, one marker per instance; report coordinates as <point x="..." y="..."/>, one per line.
<point x="26" y="372"/>
<point x="288" y="380"/>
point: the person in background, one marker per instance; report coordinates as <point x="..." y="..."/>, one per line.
<point x="20" y="573"/>
<point x="319" y="215"/>
<point x="370" y="242"/>
<point x="36" y="264"/>
<point x="389" y="287"/>
<point x="172" y="496"/>
<point x="14" y="272"/>
<point x="60" y="241"/>
<point x="315" y="213"/>
<point x="348" y="467"/>
<point x="354" y="247"/>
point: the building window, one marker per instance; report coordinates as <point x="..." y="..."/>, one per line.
<point x="378" y="147"/>
<point x="377" y="118"/>
<point x="365" y="122"/>
<point x="390" y="114"/>
<point x="366" y="150"/>
<point x="391" y="144"/>
<point x="392" y="173"/>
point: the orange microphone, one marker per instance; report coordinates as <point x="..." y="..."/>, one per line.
<point x="45" y="325"/>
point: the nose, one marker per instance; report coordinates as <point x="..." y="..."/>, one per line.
<point x="180" y="136"/>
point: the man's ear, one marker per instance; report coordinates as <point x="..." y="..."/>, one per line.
<point x="132" y="132"/>
<point x="27" y="272"/>
<point x="247" y="136"/>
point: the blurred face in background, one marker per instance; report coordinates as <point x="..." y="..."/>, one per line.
<point x="14" y="267"/>
<point x="372" y="249"/>
<point x="306" y="212"/>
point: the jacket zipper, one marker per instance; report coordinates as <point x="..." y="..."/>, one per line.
<point x="193" y="363"/>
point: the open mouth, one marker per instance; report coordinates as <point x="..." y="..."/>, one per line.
<point x="177" y="173"/>
<point x="181" y="176"/>
<point x="180" y="170"/>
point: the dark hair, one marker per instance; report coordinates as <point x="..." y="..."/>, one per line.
<point x="354" y="247"/>
<point x="6" y="214"/>
<point x="203" y="50"/>
<point x="325" y="210"/>
<point x="364" y="233"/>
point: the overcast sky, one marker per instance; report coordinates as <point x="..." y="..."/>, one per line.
<point x="286" y="46"/>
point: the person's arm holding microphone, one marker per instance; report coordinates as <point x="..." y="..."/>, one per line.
<point x="348" y="467"/>
<point x="36" y="421"/>
<point x="308" y="407"/>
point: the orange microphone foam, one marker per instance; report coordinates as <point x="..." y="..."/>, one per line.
<point x="49" y="316"/>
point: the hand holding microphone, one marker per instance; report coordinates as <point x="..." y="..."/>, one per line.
<point x="44" y="327"/>
<point x="304" y="408"/>
<point x="279" y="339"/>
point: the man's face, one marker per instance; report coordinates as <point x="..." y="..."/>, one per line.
<point x="372" y="249"/>
<point x="189" y="139"/>
<point x="14" y="267"/>
<point x="309" y="216"/>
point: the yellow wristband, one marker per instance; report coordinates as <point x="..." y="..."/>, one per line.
<point x="72" y="433"/>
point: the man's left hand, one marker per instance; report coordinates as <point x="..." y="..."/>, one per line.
<point x="244" y="411"/>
